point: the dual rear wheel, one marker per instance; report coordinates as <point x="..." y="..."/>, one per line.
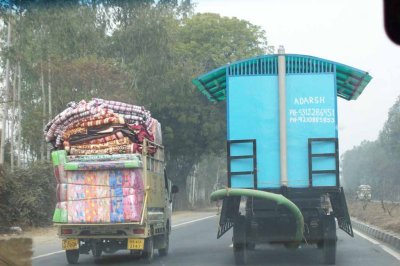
<point x="239" y="241"/>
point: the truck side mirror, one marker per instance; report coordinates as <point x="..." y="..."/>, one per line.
<point x="174" y="189"/>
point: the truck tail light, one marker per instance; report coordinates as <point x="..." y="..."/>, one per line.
<point x="66" y="231"/>
<point x="139" y="231"/>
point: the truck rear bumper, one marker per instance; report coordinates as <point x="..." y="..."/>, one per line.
<point x="115" y="231"/>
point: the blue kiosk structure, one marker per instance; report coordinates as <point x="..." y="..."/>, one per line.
<point x="282" y="140"/>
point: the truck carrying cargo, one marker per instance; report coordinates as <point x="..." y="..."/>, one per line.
<point x="282" y="150"/>
<point x="112" y="190"/>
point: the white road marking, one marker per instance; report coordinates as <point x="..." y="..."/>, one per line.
<point x="47" y="254"/>
<point x="197" y="220"/>
<point x="189" y="222"/>
<point x="373" y="241"/>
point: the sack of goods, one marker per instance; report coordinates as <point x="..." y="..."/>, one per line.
<point x="97" y="161"/>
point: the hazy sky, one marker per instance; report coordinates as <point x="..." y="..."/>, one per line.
<point x="349" y="32"/>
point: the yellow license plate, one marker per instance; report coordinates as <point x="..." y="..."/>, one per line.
<point x="69" y="244"/>
<point x="137" y="244"/>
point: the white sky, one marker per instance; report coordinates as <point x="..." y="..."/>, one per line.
<point x="348" y="32"/>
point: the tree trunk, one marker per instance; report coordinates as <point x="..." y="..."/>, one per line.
<point x="178" y="170"/>
<point x="42" y="143"/>
<point x="14" y="94"/>
<point x="5" y="97"/>
<point x="19" y="127"/>
<point x="50" y="102"/>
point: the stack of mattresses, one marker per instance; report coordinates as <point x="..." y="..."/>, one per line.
<point x="97" y="161"/>
<point x="102" y="127"/>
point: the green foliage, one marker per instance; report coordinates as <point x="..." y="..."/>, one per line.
<point x="27" y="196"/>
<point x="390" y="135"/>
<point x="211" y="40"/>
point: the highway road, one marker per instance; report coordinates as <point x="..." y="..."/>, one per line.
<point x="193" y="242"/>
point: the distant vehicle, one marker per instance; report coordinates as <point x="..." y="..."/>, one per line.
<point x="364" y="192"/>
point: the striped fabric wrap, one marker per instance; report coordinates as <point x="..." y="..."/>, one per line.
<point x="112" y="143"/>
<point x="100" y="140"/>
<point x="102" y="157"/>
<point x="103" y="113"/>
<point x="128" y="111"/>
<point x="74" y="131"/>
<point x="65" y="115"/>
<point x="120" y="149"/>
<point x="56" y="130"/>
<point x="105" y="121"/>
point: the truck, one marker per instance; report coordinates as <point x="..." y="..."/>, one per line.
<point x="152" y="229"/>
<point x="283" y="184"/>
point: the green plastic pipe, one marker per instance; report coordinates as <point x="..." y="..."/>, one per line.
<point x="278" y="198"/>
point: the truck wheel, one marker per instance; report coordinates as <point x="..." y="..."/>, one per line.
<point x="148" y="253"/>
<point x="330" y="241"/>
<point x="164" y="251"/>
<point x="72" y="256"/>
<point x="239" y="241"/>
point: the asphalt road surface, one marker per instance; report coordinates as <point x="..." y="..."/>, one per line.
<point x="193" y="242"/>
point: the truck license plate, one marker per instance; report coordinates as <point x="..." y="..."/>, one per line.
<point x="70" y="244"/>
<point x="137" y="244"/>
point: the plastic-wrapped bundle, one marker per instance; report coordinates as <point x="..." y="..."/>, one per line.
<point x="111" y="196"/>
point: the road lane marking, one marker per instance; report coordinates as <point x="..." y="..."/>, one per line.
<point x="373" y="241"/>
<point x="189" y="222"/>
<point x="193" y="221"/>
<point x="47" y="254"/>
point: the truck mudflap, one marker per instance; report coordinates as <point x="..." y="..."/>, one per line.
<point x="229" y="211"/>
<point x="340" y="211"/>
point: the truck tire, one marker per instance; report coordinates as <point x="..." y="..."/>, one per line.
<point x="96" y="254"/>
<point x="329" y="241"/>
<point x="72" y="256"/>
<point x="239" y="241"/>
<point x="148" y="253"/>
<point x="164" y="251"/>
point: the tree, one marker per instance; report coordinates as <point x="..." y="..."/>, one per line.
<point x="210" y="40"/>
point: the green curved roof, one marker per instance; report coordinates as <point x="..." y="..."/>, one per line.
<point x="350" y="82"/>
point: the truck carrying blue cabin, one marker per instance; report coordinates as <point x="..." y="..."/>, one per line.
<point x="282" y="149"/>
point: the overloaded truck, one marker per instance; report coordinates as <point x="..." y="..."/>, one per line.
<point x="112" y="189"/>
<point x="282" y="150"/>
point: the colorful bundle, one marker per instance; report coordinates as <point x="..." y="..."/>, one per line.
<point x="102" y="127"/>
<point x="113" y="196"/>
